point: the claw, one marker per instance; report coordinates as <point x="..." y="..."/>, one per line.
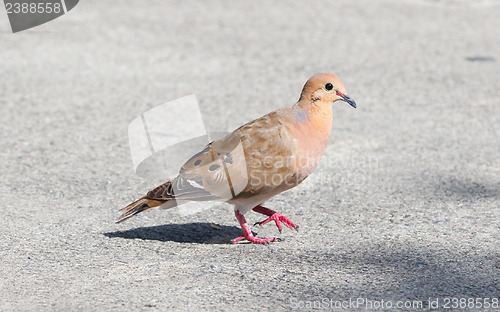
<point x="278" y="219"/>
<point x="255" y="240"/>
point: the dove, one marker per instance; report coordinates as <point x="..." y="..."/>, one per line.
<point x="257" y="161"/>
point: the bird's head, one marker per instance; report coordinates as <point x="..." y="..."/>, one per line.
<point x="326" y="88"/>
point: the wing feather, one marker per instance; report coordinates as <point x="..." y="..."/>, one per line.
<point x="255" y="158"/>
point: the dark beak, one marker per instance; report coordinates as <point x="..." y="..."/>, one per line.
<point x="347" y="99"/>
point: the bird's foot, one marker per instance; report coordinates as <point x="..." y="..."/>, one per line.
<point x="276" y="217"/>
<point x="255" y="240"/>
<point x="247" y="233"/>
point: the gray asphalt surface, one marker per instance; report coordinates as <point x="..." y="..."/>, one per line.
<point x="404" y="206"/>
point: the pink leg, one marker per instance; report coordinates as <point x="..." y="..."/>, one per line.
<point x="247" y="233"/>
<point x="276" y="217"/>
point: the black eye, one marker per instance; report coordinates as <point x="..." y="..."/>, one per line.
<point x="328" y="86"/>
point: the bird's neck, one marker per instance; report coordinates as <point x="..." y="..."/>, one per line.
<point x="313" y="125"/>
<point x="316" y="116"/>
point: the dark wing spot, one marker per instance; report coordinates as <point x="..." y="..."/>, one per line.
<point x="197" y="162"/>
<point x="228" y="159"/>
<point x="213" y="167"/>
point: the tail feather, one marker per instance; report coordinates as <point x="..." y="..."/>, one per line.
<point x="160" y="196"/>
<point x="136" y="207"/>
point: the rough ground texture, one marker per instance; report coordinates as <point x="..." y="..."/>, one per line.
<point x="404" y="206"/>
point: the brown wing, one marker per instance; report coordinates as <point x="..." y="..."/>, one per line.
<point x="207" y="174"/>
<point x="269" y="151"/>
<point x="255" y="158"/>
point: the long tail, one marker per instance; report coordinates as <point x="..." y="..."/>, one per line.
<point x="136" y="207"/>
<point x="159" y="196"/>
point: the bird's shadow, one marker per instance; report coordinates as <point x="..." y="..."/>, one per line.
<point x="199" y="232"/>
